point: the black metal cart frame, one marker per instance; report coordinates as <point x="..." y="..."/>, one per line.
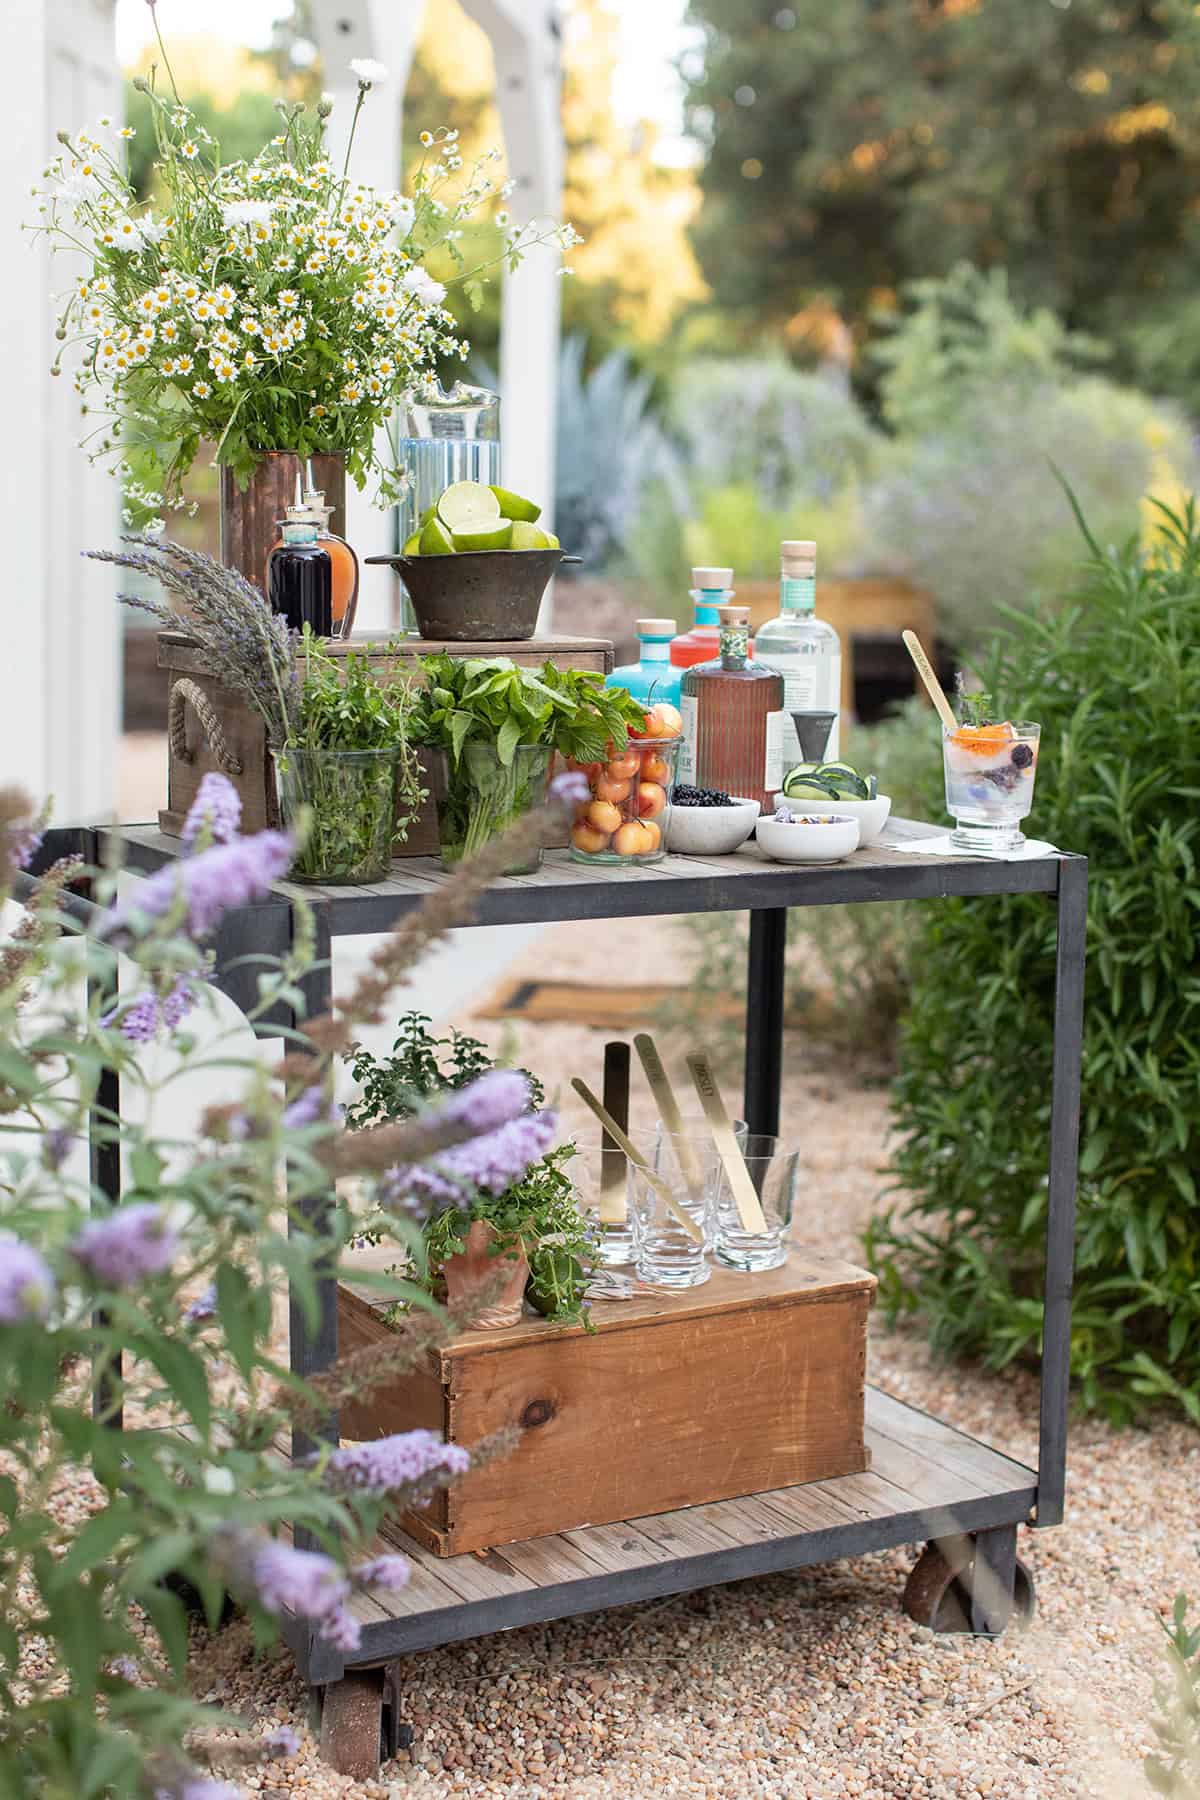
<point x="584" y="1572"/>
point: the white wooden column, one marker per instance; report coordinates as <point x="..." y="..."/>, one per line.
<point x="60" y="675"/>
<point x="386" y="32"/>
<point x="526" y="40"/>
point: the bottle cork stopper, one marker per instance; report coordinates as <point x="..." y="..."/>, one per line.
<point x="734" y="615"/>
<point x="710" y="579"/>
<point x="655" y="627"/>
<point x="798" y="556"/>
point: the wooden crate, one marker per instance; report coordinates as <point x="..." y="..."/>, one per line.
<point x="246" y="740"/>
<point x="748" y="1383"/>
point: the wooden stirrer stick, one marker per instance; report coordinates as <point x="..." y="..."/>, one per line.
<point x="748" y="1204"/>
<point x="936" y="691"/>
<point x="668" y="1112"/>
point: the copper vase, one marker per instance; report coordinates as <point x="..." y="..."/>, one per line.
<point x="250" y="516"/>
<point x="477" y="1270"/>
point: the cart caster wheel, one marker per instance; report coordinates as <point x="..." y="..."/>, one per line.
<point x="955" y="1588"/>
<point x="352" y="1723"/>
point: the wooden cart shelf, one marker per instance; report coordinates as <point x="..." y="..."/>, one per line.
<point x="928" y="1480"/>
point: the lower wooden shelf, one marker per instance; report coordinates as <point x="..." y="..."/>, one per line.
<point x="926" y="1481"/>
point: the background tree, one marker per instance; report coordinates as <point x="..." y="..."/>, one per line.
<point x="854" y="147"/>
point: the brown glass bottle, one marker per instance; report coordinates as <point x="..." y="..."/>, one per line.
<point x="732" y="718"/>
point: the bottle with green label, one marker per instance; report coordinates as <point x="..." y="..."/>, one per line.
<point x="808" y="654"/>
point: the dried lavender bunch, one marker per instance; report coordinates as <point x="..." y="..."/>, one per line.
<point x="247" y="646"/>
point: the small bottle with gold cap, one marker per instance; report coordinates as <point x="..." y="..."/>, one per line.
<point x="733" y="718"/>
<point x="342" y="557"/>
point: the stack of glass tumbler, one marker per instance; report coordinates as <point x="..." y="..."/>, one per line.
<point x="687" y="1173"/>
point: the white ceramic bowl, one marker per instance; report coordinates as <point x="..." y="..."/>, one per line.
<point x="833" y="839"/>
<point x="711" y="830"/>
<point x="872" y="815"/>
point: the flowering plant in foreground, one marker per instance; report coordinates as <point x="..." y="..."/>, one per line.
<point x="161" y="1308"/>
<point x="276" y="304"/>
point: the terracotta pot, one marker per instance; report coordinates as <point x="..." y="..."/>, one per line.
<point x="476" y="1268"/>
<point x="250" y="517"/>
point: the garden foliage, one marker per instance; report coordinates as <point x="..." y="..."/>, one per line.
<point x="1114" y="677"/>
<point x="1174" y="1769"/>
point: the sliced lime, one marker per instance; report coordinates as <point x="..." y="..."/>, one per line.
<point x="496" y="537"/>
<point x="412" y="545"/>
<point x="465" y="503"/>
<point x="515" y="506"/>
<point x="435" y="540"/>
<point x="553" y="541"/>
<point x="528" y="537"/>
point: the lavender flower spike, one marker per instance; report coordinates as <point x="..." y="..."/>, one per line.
<point x="209" y="885"/>
<point x="390" y="1573"/>
<point x="282" y="1743"/>
<point x="402" y="1460"/>
<point x="490" y="1101"/>
<point x="133" y="1242"/>
<point x="312" y="1106"/>
<point x="486" y="1164"/>
<point x="570" y="789"/>
<point x="217" y="807"/>
<point x="26" y="1283"/>
<point x="303" y="1582"/>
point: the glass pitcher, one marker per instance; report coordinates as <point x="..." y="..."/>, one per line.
<point x="446" y="436"/>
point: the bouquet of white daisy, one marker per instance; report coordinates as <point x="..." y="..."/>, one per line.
<point x="267" y="305"/>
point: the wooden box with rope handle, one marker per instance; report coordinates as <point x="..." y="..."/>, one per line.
<point x="208" y="727"/>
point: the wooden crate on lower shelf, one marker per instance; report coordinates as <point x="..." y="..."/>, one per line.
<point x="750" y="1382"/>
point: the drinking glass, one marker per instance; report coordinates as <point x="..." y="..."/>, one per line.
<point x="773" y="1168"/>
<point x="667" y="1252"/>
<point x="690" y="1162"/>
<point x="990" y="771"/>
<point x="601" y="1182"/>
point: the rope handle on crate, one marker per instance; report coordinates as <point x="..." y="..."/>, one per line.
<point x="186" y="693"/>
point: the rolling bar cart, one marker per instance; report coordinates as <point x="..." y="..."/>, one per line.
<point x="928" y="1482"/>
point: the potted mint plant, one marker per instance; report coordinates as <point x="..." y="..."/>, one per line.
<point x="495" y="727"/>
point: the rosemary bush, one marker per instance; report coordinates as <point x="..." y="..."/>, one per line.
<point x="161" y="1308"/>
<point x="1114" y="677"/>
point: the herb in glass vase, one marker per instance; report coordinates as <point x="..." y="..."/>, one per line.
<point x="350" y="763"/>
<point x="498" y="727"/>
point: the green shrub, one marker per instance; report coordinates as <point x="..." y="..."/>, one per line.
<point x="1114" y="676"/>
<point x="1175" y="1769"/>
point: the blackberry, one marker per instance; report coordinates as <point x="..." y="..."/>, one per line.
<point x="694" y="796"/>
<point x="1022" y="756"/>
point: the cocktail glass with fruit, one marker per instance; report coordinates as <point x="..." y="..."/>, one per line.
<point x="990" y="771"/>
<point x="625" y="819"/>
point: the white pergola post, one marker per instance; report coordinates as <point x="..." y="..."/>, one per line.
<point x="526" y="38"/>
<point x="60" y="681"/>
<point x="386" y="32"/>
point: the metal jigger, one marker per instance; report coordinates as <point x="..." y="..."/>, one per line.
<point x="813" y="729"/>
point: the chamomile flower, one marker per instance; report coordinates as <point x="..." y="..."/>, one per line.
<point x="189" y="292"/>
<point x="289" y="298"/>
<point x="374" y="386"/>
<point x="168" y="331"/>
<point x="249" y="360"/>
<point x="190" y="149"/>
<point x="318" y="411"/>
<point x="184" y="365"/>
<point x="250" y="325"/>
<point x="222" y="368"/>
<point x="201" y="389"/>
<point x="127" y="131"/>
<point x="352" y="391"/>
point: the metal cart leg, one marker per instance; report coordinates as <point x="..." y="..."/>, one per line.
<point x="104" y="1145"/>
<point x="352" y="1723"/>
<point x="314" y="1349"/>
<point x="1060" y="1202"/>
<point x="764" y="1020"/>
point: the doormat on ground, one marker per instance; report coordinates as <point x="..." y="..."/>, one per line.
<point x="583" y="1003"/>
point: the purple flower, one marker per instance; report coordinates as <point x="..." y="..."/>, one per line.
<point x="390" y="1573"/>
<point x="486" y="1165"/>
<point x="341" y="1629"/>
<point x="282" y="1743"/>
<point x="204" y="1306"/>
<point x="26" y="842"/>
<point x="56" y="1147"/>
<point x="26" y="1283"/>
<point x="490" y="1101"/>
<point x="207" y="885"/>
<point x="570" y="789"/>
<point x="124" y="1668"/>
<point x="313" y="1106"/>
<point x="146" y="1016"/>
<point x="134" y="1241"/>
<point x="402" y="1460"/>
<point x="217" y="808"/>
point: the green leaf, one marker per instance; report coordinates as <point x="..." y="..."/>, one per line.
<point x="237" y="1312"/>
<point x="184" y="1373"/>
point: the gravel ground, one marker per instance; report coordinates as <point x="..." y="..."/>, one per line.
<point x="812" y="1684"/>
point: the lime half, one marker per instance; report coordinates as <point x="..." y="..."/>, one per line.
<point x="466" y="505"/>
<point x="412" y="545"/>
<point x="435" y="540"/>
<point x="484" y="536"/>
<point x="528" y="537"/>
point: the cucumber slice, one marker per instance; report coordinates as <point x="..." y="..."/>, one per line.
<point x="835" y="769"/>
<point x="809" y="789"/>
<point x="849" y="787"/>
